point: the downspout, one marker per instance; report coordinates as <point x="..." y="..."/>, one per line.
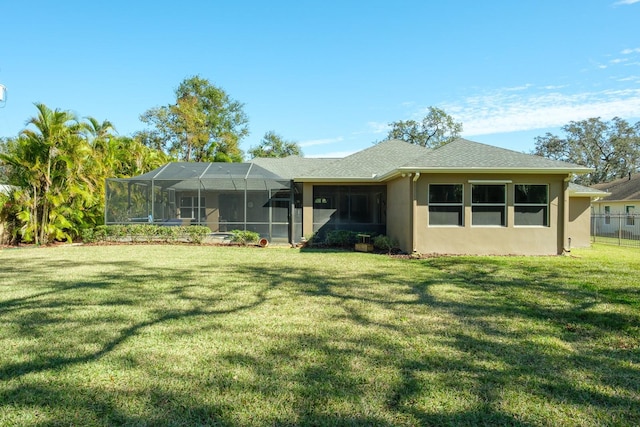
<point x="414" y="213"/>
<point x="566" y="246"/>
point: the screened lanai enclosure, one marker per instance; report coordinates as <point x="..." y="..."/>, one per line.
<point x="221" y="196"/>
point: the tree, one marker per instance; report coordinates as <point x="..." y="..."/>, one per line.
<point x="434" y="130"/>
<point x="612" y="148"/>
<point x="46" y="165"/>
<point x="204" y="124"/>
<point x="58" y="166"/>
<point x="273" y="145"/>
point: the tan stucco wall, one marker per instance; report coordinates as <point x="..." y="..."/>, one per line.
<point x="399" y="207"/>
<point x="484" y="240"/>
<point x="307" y="209"/>
<point x="580" y="221"/>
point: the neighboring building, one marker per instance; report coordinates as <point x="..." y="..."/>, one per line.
<point x="462" y="198"/>
<point x="619" y="211"/>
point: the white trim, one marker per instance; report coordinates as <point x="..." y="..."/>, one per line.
<point x="490" y="181"/>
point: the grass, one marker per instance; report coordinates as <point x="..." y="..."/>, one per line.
<point x="196" y="335"/>
<point x="616" y="241"/>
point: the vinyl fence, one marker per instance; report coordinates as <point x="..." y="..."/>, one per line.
<point x="621" y="229"/>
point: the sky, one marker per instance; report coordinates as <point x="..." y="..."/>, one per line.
<point x="329" y="75"/>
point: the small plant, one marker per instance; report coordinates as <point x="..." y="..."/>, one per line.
<point x="196" y="233"/>
<point x="385" y="243"/>
<point x="88" y="235"/>
<point x="245" y="237"/>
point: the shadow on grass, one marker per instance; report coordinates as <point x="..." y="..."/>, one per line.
<point x="446" y="341"/>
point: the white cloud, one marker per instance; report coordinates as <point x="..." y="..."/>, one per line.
<point x="518" y="88"/>
<point x="629" y="79"/>
<point x="503" y="111"/>
<point x="619" y="60"/>
<point x="377" y="127"/>
<point x="625" y="2"/>
<point x="313" y="142"/>
<point x="629" y="51"/>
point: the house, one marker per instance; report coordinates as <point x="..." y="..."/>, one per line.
<point x="462" y="198"/>
<point x="618" y="212"/>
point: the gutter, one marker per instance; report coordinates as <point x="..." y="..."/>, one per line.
<point x="407" y="170"/>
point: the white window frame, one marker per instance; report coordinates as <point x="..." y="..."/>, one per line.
<point x="516" y="205"/>
<point x="629" y="211"/>
<point x="460" y="205"/>
<point x="194" y="207"/>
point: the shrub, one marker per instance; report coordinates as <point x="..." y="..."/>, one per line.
<point x="145" y="233"/>
<point x="244" y="237"/>
<point x="196" y="233"/>
<point x="88" y="235"/>
<point x="385" y="243"/>
<point x="342" y="238"/>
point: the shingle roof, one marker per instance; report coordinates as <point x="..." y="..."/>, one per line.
<point x="465" y="154"/>
<point x="376" y="160"/>
<point x="377" y="163"/>
<point x="292" y="166"/>
<point x="627" y="188"/>
<point x="581" y="190"/>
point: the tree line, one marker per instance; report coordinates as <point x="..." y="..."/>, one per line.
<point x="57" y="166"/>
<point x="610" y="148"/>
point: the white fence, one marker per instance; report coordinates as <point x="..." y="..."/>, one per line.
<point x="618" y="229"/>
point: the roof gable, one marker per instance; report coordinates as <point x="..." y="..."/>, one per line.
<point x="291" y="167"/>
<point x="376" y="160"/>
<point x="465" y="154"/>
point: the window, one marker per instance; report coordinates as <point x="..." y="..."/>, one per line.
<point x="354" y="208"/>
<point x="189" y="208"/>
<point x="488" y="204"/>
<point x="630" y="211"/>
<point x="607" y="215"/>
<point x="531" y="204"/>
<point x="445" y="204"/>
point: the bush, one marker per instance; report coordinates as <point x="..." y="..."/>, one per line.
<point x="385" y="243"/>
<point x="244" y="237"/>
<point x="88" y="235"/>
<point x="195" y="233"/>
<point x="342" y="238"/>
<point x="145" y="233"/>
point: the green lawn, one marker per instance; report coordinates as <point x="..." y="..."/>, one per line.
<point x="197" y="335"/>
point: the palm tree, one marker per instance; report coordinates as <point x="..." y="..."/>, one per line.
<point x="41" y="158"/>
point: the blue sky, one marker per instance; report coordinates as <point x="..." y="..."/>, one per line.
<point x="330" y="75"/>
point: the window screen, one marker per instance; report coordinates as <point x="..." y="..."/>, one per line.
<point x="488" y="204"/>
<point x="445" y="204"/>
<point x="531" y="205"/>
